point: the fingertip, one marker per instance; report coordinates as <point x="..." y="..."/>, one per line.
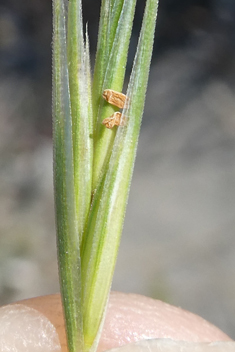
<point x="132" y="318"/>
<point x="168" y="345"/>
<point x="24" y="329"/>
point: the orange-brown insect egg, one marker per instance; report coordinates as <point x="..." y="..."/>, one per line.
<point x="114" y="120"/>
<point x="114" y="98"/>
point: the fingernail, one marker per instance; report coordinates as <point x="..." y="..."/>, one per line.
<point x="167" y="345"/>
<point x="24" y="329"/>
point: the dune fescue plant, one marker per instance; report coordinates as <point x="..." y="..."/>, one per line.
<point x="93" y="163"/>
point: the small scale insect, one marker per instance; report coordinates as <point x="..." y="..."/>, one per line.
<point x="114" y="98"/>
<point x="114" y="120"/>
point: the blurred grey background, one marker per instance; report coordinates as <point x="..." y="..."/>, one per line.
<point x="178" y="242"/>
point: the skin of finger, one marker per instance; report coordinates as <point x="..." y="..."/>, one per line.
<point x="131" y="318"/>
<point x="26" y="329"/>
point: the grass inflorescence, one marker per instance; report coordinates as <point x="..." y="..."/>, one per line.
<point x="93" y="164"/>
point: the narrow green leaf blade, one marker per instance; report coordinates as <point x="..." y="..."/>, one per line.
<point x="81" y="108"/>
<point x="113" y="79"/>
<point x="109" y="17"/>
<point x="107" y="214"/>
<point x="101" y="56"/>
<point x="114" y="17"/>
<point x="66" y="220"/>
